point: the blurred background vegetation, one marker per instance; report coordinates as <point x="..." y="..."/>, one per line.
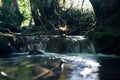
<point x="43" y="16"/>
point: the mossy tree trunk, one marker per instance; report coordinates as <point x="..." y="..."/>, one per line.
<point x="35" y="12"/>
<point x="107" y="29"/>
<point x="97" y="6"/>
<point x="40" y="8"/>
<point x="43" y="11"/>
<point x="105" y="8"/>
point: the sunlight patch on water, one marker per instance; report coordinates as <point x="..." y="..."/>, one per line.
<point x="70" y="66"/>
<point x="78" y="66"/>
<point x="81" y="68"/>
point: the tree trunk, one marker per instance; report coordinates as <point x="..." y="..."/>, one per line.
<point x="34" y="10"/>
<point x="97" y="6"/>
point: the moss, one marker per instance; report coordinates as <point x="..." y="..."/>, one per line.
<point x="106" y="34"/>
<point x="106" y="37"/>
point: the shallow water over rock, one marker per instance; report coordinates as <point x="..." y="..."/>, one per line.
<point x="58" y="44"/>
<point x="53" y="66"/>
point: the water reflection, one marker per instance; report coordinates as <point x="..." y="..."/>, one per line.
<point x="51" y="66"/>
<point x="81" y="68"/>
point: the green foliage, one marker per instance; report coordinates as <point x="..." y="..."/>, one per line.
<point x="39" y="29"/>
<point x="24" y="6"/>
<point x="9" y="19"/>
<point x="74" y="18"/>
<point x="6" y="1"/>
<point x="51" y="14"/>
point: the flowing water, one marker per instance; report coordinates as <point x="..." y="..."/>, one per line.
<point x="82" y="64"/>
<point x="57" y="44"/>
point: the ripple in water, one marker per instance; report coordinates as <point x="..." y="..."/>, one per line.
<point x="81" y="68"/>
<point x="72" y="66"/>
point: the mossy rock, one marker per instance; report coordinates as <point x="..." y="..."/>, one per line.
<point x="106" y="41"/>
<point x="107" y="45"/>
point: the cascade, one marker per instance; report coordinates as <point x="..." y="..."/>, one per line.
<point x="58" y="44"/>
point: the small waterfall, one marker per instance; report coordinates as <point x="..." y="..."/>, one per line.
<point x="57" y="44"/>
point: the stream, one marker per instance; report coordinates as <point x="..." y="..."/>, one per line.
<point x="52" y="66"/>
<point x="78" y="62"/>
